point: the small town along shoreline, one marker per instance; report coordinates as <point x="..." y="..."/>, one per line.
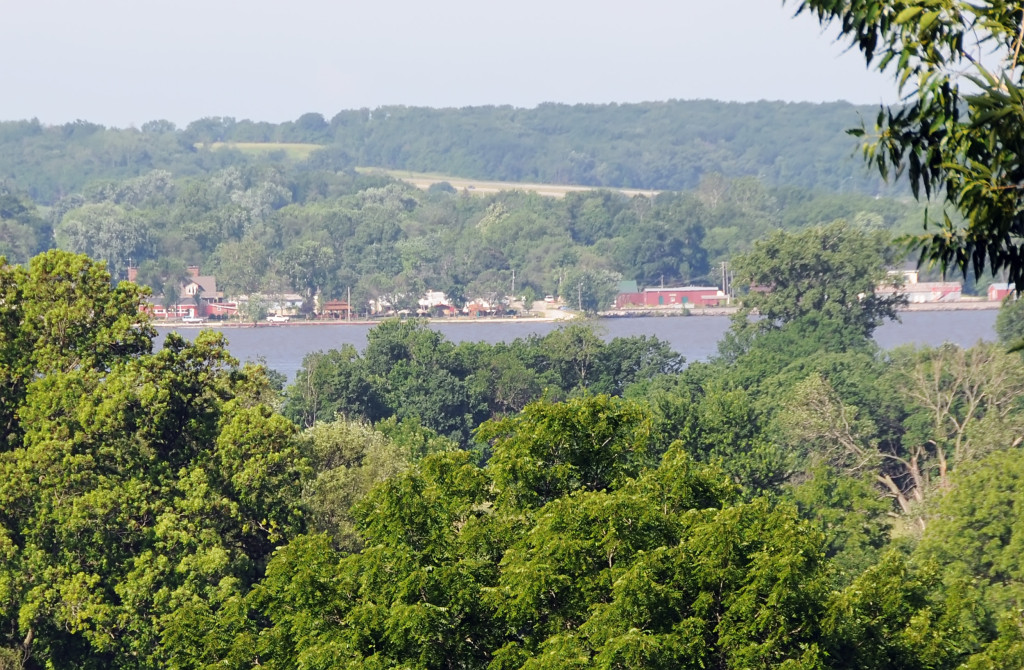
<point x="553" y="316"/>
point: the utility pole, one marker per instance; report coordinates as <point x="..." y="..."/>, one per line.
<point x="348" y="302"/>
<point x="725" y="279"/>
<point x="513" y="283"/>
<point x="579" y="295"/>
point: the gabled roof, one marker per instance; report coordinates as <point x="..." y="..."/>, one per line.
<point x="206" y="285"/>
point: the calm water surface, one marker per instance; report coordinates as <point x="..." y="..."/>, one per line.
<point x="695" y="337"/>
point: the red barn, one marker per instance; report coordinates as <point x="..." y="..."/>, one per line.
<point x="996" y="292"/>
<point x="681" y="296"/>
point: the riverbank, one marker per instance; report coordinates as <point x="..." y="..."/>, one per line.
<point x="553" y="316"/>
<point x="224" y="325"/>
<point x="667" y="312"/>
<point x="958" y="306"/>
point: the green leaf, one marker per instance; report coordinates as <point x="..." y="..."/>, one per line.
<point x="907" y="14"/>
<point x="927" y="20"/>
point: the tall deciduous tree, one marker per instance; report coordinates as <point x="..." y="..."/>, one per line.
<point x="961" y="404"/>
<point x="826" y="273"/>
<point x="551" y="450"/>
<point x="105" y="231"/>
<point x="957" y="133"/>
<point x="308" y="265"/>
<point x="58" y="316"/>
<point x="137" y="490"/>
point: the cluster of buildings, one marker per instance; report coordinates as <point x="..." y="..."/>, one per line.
<point x="198" y="298"/>
<point x="921" y="292"/>
<point x="905" y="282"/>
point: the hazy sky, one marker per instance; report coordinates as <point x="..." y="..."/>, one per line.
<point x="125" y="62"/>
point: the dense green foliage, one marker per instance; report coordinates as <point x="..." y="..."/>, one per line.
<point x="137" y="490"/>
<point x="321" y="234"/>
<point x="657" y="145"/>
<point x="409" y="371"/>
<point x="827" y="273"/>
<point x="803" y="501"/>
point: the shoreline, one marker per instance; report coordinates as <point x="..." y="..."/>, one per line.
<point x="959" y="306"/>
<point x="340" y="322"/>
<point x="964" y="305"/>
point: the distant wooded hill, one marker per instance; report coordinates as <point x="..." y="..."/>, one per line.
<point x="655" y="145"/>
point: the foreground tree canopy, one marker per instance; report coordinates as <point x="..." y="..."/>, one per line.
<point x="801" y="502"/>
<point x="136" y="489"/>
<point x="957" y="136"/>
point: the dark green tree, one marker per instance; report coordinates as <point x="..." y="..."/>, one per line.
<point x="332" y="384"/>
<point x="62" y="315"/>
<point x="1010" y="322"/>
<point x="553" y="449"/>
<point x="826" y="273"/>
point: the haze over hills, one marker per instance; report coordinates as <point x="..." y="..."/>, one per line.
<point x="654" y="145"/>
<point x="803" y="500"/>
<point x="282" y="207"/>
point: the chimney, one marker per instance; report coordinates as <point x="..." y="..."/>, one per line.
<point x="193" y="271"/>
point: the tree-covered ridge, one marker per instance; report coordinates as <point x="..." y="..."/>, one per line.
<point x="658" y="145"/>
<point x="320" y="233"/>
<point x="669" y="145"/>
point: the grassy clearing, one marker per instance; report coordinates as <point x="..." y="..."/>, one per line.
<point x="293" y="150"/>
<point x="482" y="187"/>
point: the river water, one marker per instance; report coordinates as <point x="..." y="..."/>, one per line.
<point x="695" y="337"/>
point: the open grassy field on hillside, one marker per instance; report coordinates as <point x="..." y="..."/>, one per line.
<point x="425" y="180"/>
